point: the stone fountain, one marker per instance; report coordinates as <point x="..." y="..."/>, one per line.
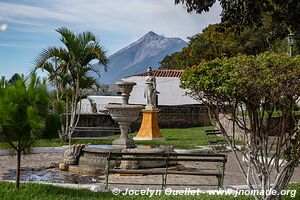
<point x="90" y="159"/>
<point x="124" y="114"/>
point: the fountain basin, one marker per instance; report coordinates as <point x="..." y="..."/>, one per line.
<point x="92" y="159"/>
<point x="124" y="112"/>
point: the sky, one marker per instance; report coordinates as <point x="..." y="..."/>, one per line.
<point x="28" y="26"/>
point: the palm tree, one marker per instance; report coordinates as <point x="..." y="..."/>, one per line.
<point x="70" y="67"/>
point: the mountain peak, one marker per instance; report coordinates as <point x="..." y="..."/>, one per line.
<point x="151" y="33"/>
<point x="151" y="36"/>
<point x="149" y="50"/>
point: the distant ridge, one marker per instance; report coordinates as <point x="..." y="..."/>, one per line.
<point x="135" y="58"/>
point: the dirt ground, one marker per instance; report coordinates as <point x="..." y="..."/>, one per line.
<point x="233" y="176"/>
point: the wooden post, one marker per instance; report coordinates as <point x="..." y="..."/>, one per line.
<point x="107" y="171"/>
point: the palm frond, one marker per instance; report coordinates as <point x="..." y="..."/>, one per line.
<point x="86" y="37"/>
<point x="67" y="36"/>
<point x="95" y="51"/>
<point x="51" y="52"/>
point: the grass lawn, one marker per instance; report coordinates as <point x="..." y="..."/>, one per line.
<point x="186" y="138"/>
<point x="39" y="191"/>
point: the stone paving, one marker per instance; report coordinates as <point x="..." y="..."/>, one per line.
<point x="46" y="159"/>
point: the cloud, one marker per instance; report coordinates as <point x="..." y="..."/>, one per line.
<point x="115" y="23"/>
<point x="132" y="18"/>
<point x="3" y="27"/>
<point x="136" y="17"/>
<point x="27" y="13"/>
<point x="27" y="46"/>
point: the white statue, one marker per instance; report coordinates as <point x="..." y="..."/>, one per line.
<point x="150" y="89"/>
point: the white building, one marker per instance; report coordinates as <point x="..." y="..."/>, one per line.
<point x="100" y="103"/>
<point x="167" y="83"/>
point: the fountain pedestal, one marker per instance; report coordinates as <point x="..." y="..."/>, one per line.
<point x="124" y="114"/>
<point x="124" y="140"/>
<point x="149" y="129"/>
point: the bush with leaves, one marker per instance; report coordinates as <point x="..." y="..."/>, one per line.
<point x="240" y="88"/>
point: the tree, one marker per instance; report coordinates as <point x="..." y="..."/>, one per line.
<point x="248" y="12"/>
<point x="70" y="71"/>
<point x="23" y="108"/>
<point x="245" y="13"/>
<point x="250" y="91"/>
<point x="218" y="41"/>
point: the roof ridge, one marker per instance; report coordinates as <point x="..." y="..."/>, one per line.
<point x="163" y="73"/>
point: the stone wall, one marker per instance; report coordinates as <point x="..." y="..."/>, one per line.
<point x="242" y="135"/>
<point x="181" y="116"/>
<point x="239" y="133"/>
<point x="95" y="120"/>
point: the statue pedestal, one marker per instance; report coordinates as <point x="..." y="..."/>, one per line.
<point x="149" y="129"/>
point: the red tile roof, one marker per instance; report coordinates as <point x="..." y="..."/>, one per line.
<point x="163" y="73"/>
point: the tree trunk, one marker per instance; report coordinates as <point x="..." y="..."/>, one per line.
<point x="18" y="170"/>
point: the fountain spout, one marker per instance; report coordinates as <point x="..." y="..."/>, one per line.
<point x="125" y="88"/>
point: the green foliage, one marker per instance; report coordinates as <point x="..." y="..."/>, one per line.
<point x="23" y="108"/>
<point x="218" y="41"/>
<point x="70" y="67"/>
<point x="47" y="192"/>
<point x="66" y="65"/>
<point x="254" y="81"/>
<point x="52" y="125"/>
<point x="70" y="71"/>
<point x="33" y="191"/>
<point x="258" y="85"/>
<point x="248" y="13"/>
<point x="246" y="78"/>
